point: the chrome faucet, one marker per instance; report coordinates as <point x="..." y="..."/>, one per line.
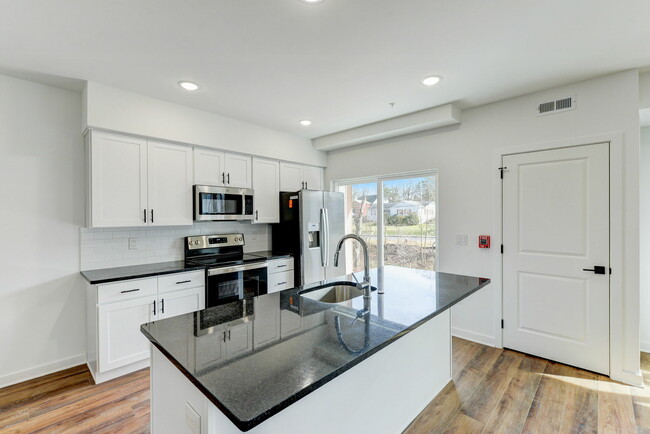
<point x="365" y="285"/>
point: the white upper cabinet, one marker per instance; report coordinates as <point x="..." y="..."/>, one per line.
<point x="208" y="167"/>
<point x="291" y="177"/>
<point x="266" y="184"/>
<point x="313" y="177"/>
<point x="294" y="177"/>
<point x="118" y="180"/>
<point x="134" y="182"/>
<point x="222" y="169"/>
<point x="238" y="170"/>
<point x="170" y="184"/>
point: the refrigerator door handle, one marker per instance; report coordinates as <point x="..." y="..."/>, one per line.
<point x="323" y="254"/>
<point x="327" y="238"/>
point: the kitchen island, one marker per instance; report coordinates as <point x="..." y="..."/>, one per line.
<point x="286" y="363"/>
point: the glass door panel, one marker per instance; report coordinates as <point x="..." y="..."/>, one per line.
<point x="409" y="222"/>
<point x="360" y="219"/>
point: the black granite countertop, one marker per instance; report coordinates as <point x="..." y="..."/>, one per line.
<point x="307" y="352"/>
<point x="107" y="275"/>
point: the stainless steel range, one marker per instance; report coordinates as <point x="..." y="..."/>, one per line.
<point x="231" y="274"/>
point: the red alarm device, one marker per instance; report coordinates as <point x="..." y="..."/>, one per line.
<point x="483" y="241"/>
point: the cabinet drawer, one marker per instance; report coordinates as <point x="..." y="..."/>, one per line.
<point x="279" y="265"/>
<point x="126" y="290"/>
<point x="280" y="281"/>
<point x="174" y="282"/>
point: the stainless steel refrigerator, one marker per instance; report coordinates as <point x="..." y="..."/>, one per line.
<point x="311" y="223"/>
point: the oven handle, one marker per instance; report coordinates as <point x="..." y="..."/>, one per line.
<point x="236" y="268"/>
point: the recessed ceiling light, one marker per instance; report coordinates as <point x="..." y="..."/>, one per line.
<point x="430" y="80"/>
<point x="305" y="123"/>
<point x="311" y="2"/>
<point x="188" y="85"/>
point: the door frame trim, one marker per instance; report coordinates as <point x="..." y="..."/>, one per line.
<point x="617" y="345"/>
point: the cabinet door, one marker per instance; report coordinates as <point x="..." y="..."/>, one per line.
<point x="170" y="185"/>
<point x="120" y="341"/>
<point x="181" y="302"/>
<point x="238" y="171"/>
<point x="313" y="177"/>
<point x="210" y="349"/>
<point x="118" y="180"/>
<point x="266" y="183"/>
<point x="266" y="327"/>
<point x="239" y="340"/>
<point x="290" y="323"/>
<point x="208" y="167"/>
<point x="291" y="177"/>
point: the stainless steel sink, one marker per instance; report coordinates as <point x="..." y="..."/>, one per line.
<point x="334" y="293"/>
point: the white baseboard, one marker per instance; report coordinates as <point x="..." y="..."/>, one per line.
<point x="39" y="371"/>
<point x="645" y="347"/>
<point x="474" y="337"/>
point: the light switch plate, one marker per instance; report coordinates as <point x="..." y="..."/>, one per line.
<point x="192" y="419"/>
<point x="461" y="239"/>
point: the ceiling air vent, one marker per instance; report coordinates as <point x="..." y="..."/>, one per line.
<point x="556" y="106"/>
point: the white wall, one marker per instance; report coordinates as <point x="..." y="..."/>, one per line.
<point x="644" y="236"/>
<point x="464" y="157"/>
<point x="42" y="313"/>
<point x="109" y="247"/>
<point x="119" y="110"/>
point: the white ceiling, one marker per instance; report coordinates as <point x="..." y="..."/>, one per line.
<point x="339" y="63"/>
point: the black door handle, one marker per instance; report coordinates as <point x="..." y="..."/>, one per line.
<point x="228" y="178"/>
<point x="598" y="269"/>
<point x="223" y="177"/>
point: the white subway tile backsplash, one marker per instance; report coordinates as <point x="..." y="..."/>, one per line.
<point x="109" y="247"/>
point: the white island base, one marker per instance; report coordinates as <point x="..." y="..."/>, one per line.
<point x="381" y="394"/>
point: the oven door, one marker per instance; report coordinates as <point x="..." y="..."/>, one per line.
<point x="228" y="284"/>
<point x="221" y="203"/>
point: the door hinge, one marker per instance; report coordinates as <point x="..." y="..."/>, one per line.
<point x="502" y="169"/>
<point x="502" y="249"/>
<point x="501" y="323"/>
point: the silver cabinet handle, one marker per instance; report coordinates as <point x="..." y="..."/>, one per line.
<point x="282" y="283"/>
<point x="183" y="281"/>
<point x="152" y="215"/>
<point x="129" y="290"/>
<point x="228" y="178"/>
<point x="257" y="215"/>
<point x="162" y="307"/>
<point x="224" y="336"/>
<point x="223" y="177"/>
<point x="306" y="185"/>
<point x="281" y="266"/>
<point x="228" y="334"/>
<point x="144" y="215"/>
<point x="154" y="307"/>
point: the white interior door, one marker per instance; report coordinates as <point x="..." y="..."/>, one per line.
<point x="556" y="225"/>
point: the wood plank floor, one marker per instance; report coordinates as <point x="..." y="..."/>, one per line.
<point x="493" y="390"/>
<point x="503" y="391"/>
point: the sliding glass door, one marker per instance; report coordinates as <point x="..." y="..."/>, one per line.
<point x="396" y="216"/>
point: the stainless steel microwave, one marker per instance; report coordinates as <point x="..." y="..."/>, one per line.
<point x="222" y="203"/>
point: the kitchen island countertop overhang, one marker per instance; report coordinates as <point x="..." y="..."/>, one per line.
<point x="262" y="380"/>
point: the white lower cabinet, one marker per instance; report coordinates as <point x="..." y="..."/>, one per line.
<point x="115" y="312"/>
<point x="280" y="275"/>
<point x="266" y="327"/>
<point x="230" y="341"/>
<point x="119" y="346"/>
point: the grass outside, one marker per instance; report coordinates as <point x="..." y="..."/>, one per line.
<point x="428" y="229"/>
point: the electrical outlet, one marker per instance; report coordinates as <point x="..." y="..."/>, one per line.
<point x="133" y="244"/>
<point x="461" y="239"/>
<point x="192" y="419"/>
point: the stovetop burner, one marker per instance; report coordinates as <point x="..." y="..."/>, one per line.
<point x="223" y="260"/>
